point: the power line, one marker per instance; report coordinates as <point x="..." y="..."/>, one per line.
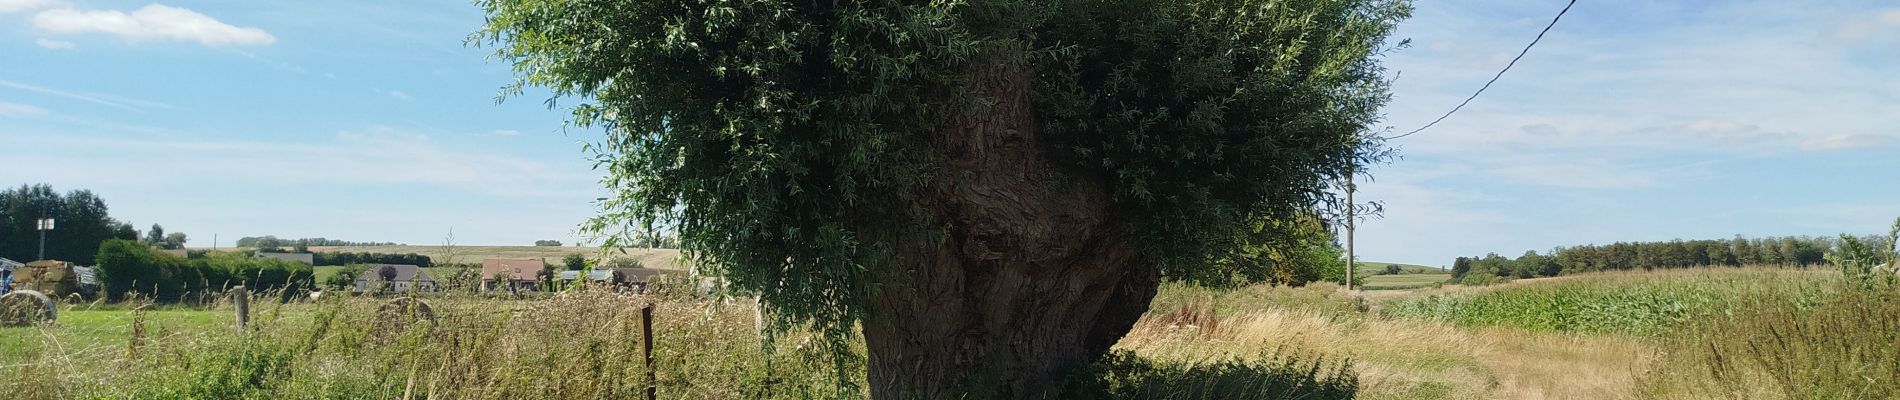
<point x="1494" y="78"/>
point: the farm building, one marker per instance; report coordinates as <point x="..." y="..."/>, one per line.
<point x="306" y="258"/>
<point x="394" y="278"/>
<point x="513" y="273"/>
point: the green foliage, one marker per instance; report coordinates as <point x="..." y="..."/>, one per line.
<point x="574" y="261"/>
<point x="173" y="241"/>
<point x="327" y="258"/>
<point x="624" y="262"/>
<point x="1837" y="345"/>
<point x="1123" y="375"/>
<point x="81" y="224"/>
<point x="154" y="236"/>
<point x="768" y="133"/>
<point x="1628" y="304"/>
<point x="1840" y="348"/>
<point x="1797" y="251"/>
<point x="269" y="241"/>
<point x="344" y="278"/>
<point x="1290" y="252"/>
<point x="548" y="243"/>
<point x="129" y="267"/>
<point x="1210" y="116"/>
<point x="1869" y="263"/>
<point x="125" y="266"/>
<point x="1492" y="269"/>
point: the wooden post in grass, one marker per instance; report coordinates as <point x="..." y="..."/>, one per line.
<point x="646" y="335"/>
<point x="242" y="299"/>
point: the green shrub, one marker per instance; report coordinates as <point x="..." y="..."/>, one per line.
<point x="129" y="267"/>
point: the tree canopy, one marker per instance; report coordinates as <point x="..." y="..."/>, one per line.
<point x="838" y="157"/>
<point x="81" y="223"/>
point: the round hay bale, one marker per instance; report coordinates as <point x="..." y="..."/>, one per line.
<point x="399" y="315"/>
<point x="27" y="307"/>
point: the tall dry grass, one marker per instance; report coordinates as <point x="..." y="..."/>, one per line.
<point x="1394" y="358"/>
<point x="579" y="344"/>
<point x="1846" y="346"/>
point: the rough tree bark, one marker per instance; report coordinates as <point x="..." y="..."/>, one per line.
<point x="1036" y="276"/>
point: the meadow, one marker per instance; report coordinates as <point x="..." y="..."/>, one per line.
<point x="1701" y="333"/>
<point x="650" y="258"/>
<point x="1410" y="276"/>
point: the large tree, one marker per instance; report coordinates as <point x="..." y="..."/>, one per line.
<point x="81" y="223"/>
<point x="992" y="188"/>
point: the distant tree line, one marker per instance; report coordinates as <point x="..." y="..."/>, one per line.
<point x="1793" y="251"/>
<point x="326" y="258"/>
<point x="547" y="243"/>
<point x="273" y="243"/>
<point x="81" y="223"/>
<point x="126" y="266"/>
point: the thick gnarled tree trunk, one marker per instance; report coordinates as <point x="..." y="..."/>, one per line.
<point x="1036" y="276"/>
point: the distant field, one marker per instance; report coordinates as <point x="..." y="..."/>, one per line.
<point x="1640" y="303"/>
<point x="651" y="258"/>
<point x="1404" y="281"/>
<point x="1374" y="266"/>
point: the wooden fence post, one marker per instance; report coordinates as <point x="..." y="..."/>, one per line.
<point x="243" y="302"/>
<point x="646" y="328"/>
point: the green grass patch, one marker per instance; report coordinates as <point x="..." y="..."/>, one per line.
<point x="107" y="328"/>
<point x="1404" y="281"/>
<point x="1374" y="267"/>
<point x="1623" y="303"/>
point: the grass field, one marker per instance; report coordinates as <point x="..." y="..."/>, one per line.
<point x="651" y="258"/>
<point x="1374" y="267"/>
<point x="1404" y="281"/>
<point x="1718" y="333"/>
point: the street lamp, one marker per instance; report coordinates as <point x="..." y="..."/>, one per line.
<point x="44" y="224"/>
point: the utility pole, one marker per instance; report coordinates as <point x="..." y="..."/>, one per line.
<point x="44" y="224"/>
<point x="1352" y="209"/>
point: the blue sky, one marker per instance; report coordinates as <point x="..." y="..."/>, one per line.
<point x="1633" y="120"/>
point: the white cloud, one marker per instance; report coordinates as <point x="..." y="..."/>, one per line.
<point x="53" y="44"/>
<point x="13" y="6"/>
<point x="399" y="95"/>
<point x="150" y="23"/>
<point x="506" y="132"/>
<point x="1844" y="142"/>
<point x="19" y="110"/>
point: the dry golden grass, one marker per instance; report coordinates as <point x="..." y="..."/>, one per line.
<point x="1395" y="359"/>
